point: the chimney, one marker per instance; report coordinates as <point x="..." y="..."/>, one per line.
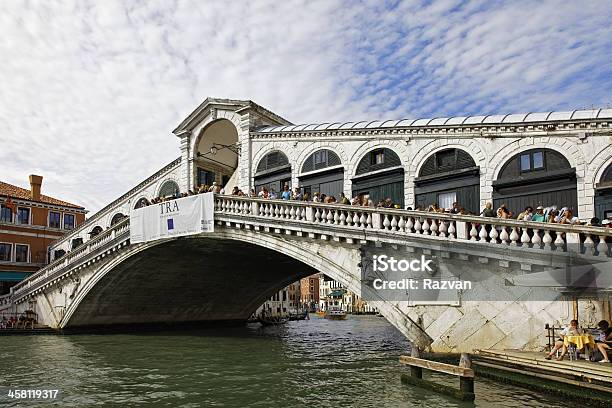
<point x="35" y="183"/>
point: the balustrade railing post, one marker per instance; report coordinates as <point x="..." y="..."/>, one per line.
<point x="255" y="208"/>
<point x="572" y="240"/>
<point x="309" y="214"/>
<point x="462" y="230"/>
<point x="602" y="246"/>
<point x="376" y="224"/>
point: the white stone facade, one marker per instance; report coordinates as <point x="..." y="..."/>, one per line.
<point x="584" y="141"/>
<point x="583" y="137"/>
<point x="590" y="156"/>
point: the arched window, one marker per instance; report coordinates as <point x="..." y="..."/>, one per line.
<point x="532" y="162"/>
<point x="380" y="175"/>
<point x="446" y="177"/>
<point x="321" y="179"/>
<point x="321" y="159"/>
<point x="603" y="195"/>
<point x="76" y="242"/>
<point x="117" y="218"/>
<point x="143" y="202"/>
<point x="272" y="161"/>
<point x="169" y="188"/>
<point x="536" y="177"/>
<point x="378" y="159"/>
<point x="95" y="231"/>
<point x="445" y="161"/>
<point x="273" y="172"/>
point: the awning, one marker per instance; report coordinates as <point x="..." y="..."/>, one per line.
<point x="10" y="276"/>
<point x="597" y="277"/>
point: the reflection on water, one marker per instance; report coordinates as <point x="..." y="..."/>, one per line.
<point x="314" y="362"/>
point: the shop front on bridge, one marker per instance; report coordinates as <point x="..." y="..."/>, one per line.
<point x="537" y="177"/>
<point x="273" y="172"/>
<point x="448" y="176"/>
<point x="380" y="174"/>
<point x="603" y="195"/>
<point x="322" y="172"/>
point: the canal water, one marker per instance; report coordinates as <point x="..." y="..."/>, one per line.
<point x="352" y="363"/>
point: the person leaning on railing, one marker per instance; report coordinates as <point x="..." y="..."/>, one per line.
<point x="539" y="215"/>
<point x="488" y="210"/>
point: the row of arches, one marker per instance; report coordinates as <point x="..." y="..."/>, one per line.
<point x="533" y="177"/>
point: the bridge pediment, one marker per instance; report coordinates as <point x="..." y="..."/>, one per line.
<point x="214" y="108"/>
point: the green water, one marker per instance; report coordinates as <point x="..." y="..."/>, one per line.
<point x="352" y="363"/>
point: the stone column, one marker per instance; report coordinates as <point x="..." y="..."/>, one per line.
<point x="244" y="161"/>
<point x="186" y="172"/>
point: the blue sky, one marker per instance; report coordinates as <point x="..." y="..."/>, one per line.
<point x="91" y="90"/>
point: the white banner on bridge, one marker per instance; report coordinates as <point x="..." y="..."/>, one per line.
<point x="184" y="216"/>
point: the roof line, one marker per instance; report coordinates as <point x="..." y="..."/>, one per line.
<point x="530" y="117"/>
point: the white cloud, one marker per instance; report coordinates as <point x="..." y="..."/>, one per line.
<point x="91" y="90"/>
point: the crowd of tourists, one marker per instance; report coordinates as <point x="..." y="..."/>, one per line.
<point x="296" y="194"/>
<point x="8" y="323"/>
<point x="14" y="322"/>
<point x="551" y="214"/>
<point x="598" y="340"/>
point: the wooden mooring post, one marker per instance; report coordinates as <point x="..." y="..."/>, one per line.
<point x="463" y="371"/>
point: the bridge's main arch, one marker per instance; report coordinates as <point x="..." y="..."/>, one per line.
<point x="223" y="276"/>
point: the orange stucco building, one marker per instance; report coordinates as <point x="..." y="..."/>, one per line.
<point x="29" y="223"/>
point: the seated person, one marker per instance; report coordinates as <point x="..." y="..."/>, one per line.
<point x="571" y="330"/>
<point x="603" y="342"/>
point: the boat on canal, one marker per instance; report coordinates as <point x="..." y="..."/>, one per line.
<point x="272" y="319"/>
<point x="335" y="314"/>
<point x="303" y="315"/>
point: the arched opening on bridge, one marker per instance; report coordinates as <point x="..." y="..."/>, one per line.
<point x="95" y="231"/>
<point x="222" y="277"/>
<point x="446" y="177"/>
<point x="322" y="172"/>
<point x="188" y="280"/>
<point x="603" y="195"/>
<point x="216" y="157"/>
<point x="168" y="189"/>
<point x="142" y="202"/>
<point x="273" y="172"/>
<point x="117" y="218"/>
<point x="380" y="175"/>
<point x="536" y="177"/>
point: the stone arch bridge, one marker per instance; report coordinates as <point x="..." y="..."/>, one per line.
<point x="259" y="246"/>
<point x="98" y="278"/>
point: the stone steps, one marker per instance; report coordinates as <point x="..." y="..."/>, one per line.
<point x="28" y="331"/>
<point x="537" y="360"/>
<point x="582" y="374"/>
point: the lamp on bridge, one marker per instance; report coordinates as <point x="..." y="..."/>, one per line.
<point x="214" y="149"/>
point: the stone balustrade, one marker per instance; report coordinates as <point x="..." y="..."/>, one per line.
<point x="65" y="263"/>
<point x="484" y="230"/>
<point x="394" y="223"/>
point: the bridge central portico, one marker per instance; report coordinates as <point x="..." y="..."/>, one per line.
<point x="99" y="278"/>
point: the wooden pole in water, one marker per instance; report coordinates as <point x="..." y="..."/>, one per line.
<point x="415" y="371"/>
<point x="466" y="384"/>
